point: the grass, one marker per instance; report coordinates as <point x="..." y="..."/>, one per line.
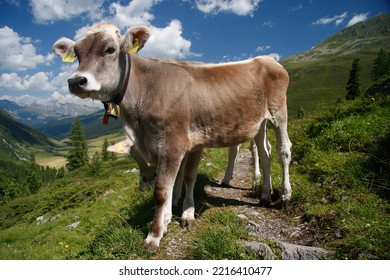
<point x="59" y="158"/>
<point x="340" y="193"/>
<point x="218" y="239"/>
<point x="323" y="81"/>
<point x="339" y="174"/>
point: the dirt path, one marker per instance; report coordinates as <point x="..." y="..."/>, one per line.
<point x="268" y="223"/>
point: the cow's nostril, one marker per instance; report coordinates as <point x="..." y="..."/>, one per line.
<point x="83" y="81"/>
<point x="78" y="82"/>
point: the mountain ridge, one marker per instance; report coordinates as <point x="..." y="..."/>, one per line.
<point x="319" y="75"/>
<point x="35" y="113"/>
<point x="16" y="139"/>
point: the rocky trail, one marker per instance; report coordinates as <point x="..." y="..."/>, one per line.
<point x="284" y="231"/>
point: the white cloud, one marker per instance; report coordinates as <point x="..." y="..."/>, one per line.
<point x="49" y="11"/>
<point x="168" y="42"/>
<point x="55" y="98"/>
<point x="262" y="48"/>
<point x="59" y="82"/>
<point x="21" y="99"/>
<point x="275" y="56"/>
<point x="337" y="19"/>
<point x="137" y="12"/>
<point x="18" y="53"/>
<point x="67" y="98"/>
<point x="358" y="18"/>
<point x="269" y="24"/>
<point x="39" y="81"/>
<point x="294" y="9"/>
<point x="239" y="7"/>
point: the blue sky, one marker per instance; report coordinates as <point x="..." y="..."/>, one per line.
<point x="209" y="31"/>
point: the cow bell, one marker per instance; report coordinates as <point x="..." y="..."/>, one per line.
<point x="112" y="110"/>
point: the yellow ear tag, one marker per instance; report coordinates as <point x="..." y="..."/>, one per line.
<point x="68" y="56"/>
<point x="120" y="148"/>
<point x="135" y="47"/>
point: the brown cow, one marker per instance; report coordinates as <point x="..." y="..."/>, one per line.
<point x="173" y="110"/>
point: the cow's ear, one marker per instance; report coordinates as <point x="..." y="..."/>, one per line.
<point x="64" y="48"/>
<point x="135" y="39"/>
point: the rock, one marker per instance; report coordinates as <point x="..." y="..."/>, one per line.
<point x="299" y="252"/>
<point x="41" y="220"/>
<point x="54" y="217"/>
<point x="72" y="226"/>
<point x="107" y="193"/>
<point x="261" y="249"/>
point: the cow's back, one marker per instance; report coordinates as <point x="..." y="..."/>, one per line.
<point x="216" y="105"/>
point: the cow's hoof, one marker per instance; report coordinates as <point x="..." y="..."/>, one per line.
<point x="285" y="202"/>
<point x="265" y="203"/>
<point x="152" y="243"/>
<point x="187" y="223"/>
<point x="286" y="198"/>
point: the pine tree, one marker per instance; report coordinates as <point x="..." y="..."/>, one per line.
<point x="78" y="153"/>
<point x="353" y="85"/>
<point x="301" y="113"/>
<point x="95" y="166"/>
<point x="381" y="65"/>
<point x="105" y="153"/>
<point x="33" y="179"/>
<point x="60" y="173"/>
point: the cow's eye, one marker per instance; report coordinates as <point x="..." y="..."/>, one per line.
<point x="110" y="50"/>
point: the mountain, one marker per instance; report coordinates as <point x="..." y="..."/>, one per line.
<point x="319" y="76"/>
<point x="55" y="119"/>
<point x="93" y="127"/>
<point x="17" y="140"/>
<point x="40" y="111"/>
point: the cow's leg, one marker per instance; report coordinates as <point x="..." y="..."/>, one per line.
<point x="256" y="165"/>
<point x="168" y="167"/>
<point x="147" y="172"/>
<point x="190" y="173"/>
<point x="265" y="159"/>
<point x="233" y="151"/>
<point x="284" y="150"/>
<point x="178" y="187"/>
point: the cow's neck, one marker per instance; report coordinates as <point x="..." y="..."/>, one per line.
<point x="125" y="76"/>
<point x="111" y="107"/>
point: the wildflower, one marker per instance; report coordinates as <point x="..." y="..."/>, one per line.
<point x="66" y="246"/>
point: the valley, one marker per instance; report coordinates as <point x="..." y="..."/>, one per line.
<point x="340" y="176"/>
<point x="58" y="159"/>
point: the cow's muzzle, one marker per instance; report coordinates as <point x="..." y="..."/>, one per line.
<point x="77" y="84"/>
<point x="83" y="84"/>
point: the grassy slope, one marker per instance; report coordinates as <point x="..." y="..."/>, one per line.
<point x="319" y="76"/>
<point x="17" y="140"/>
<point x="342" y="176"/>
<point x="340" y="179"/>
<point x="114" y="216"/>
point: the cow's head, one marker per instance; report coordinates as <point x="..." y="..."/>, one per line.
<point x="102" y="59"/>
